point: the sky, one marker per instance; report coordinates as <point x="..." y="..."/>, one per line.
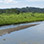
<point x="21" y="3"/>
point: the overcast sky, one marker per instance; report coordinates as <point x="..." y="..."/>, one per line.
<point x="21" y="3"/>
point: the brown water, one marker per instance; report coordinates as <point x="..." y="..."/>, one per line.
<point x="30" y="35"/>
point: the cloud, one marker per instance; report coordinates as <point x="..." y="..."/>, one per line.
<point x="1" y="1"/>
<point x="33" y="0"/>
<point x="8" y="1"/>
<point x="21" y="3"/>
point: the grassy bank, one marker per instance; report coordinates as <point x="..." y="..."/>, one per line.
<point x="7" y="19"/>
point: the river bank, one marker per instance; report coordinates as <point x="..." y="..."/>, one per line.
<point x="2" y="32"/>
<point x="23" y="34"/>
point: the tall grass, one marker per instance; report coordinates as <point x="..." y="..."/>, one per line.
<point x="7" y="19"/>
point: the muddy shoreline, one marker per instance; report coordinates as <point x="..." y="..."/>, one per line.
<point x="5" y="31"/>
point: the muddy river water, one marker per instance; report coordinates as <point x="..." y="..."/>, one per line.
<point x="31" y="35"/>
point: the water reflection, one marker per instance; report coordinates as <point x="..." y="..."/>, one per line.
<point x="2" y="32"/>
<point x="13" y="26"/>
<point x="30" y="35"/>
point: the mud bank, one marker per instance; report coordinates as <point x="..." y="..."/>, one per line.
<point x="5" y="31"/>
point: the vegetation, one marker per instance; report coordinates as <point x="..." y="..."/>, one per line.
<point x="21" y="15"/>
<point x="22" y="10"/>
<point x="13" y="18"/>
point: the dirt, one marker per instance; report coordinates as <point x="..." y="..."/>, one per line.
<point x="5" y="31"/>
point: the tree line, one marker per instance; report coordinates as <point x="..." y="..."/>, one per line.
<point x="22" y="10"/>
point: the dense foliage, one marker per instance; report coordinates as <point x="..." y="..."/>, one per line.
<point x="22" y="10"/>
<point x="21" y="15"/>
<point x="6" y="19"/>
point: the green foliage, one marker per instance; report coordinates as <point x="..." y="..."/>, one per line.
<point x="22" y="17"/>
<point x="22" y="10"/>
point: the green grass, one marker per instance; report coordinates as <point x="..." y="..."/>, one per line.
<point x="7" y="19"/>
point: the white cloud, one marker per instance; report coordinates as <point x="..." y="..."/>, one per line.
<point x="33" y="0"/>
<point x="1" y="1"/>
<point x="20" y="3"/>
<point x="8" y="1"/>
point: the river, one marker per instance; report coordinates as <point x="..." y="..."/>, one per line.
<point x="30" y="35"/>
